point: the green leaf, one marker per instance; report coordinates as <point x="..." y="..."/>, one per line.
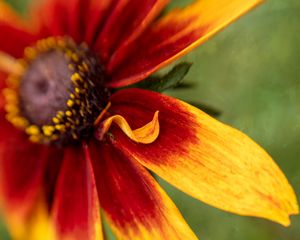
<point x="172" y="79"/>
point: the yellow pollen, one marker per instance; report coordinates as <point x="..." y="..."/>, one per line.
<point x="69" y="113"/>
<point x="9" y="64"/>
<point x="19" y="122"/>
<point x="13" y="81"/>
<point x="31" y="52"/>
<point x="42" y="45"/>
<point x="11" y="108"/>
<point x="33" y="130"/>
<point x="81" y="69"/>
<point x="77" y="90"/>
<point x="85" y="66"/>
<point x="48" y="130"/>
<point x="60" y="114"/>
<point x="51" y="42"/>
<point x="76" y="77"/>
<point x="71" y="67"/>
<point x="61" y="128"/>
<point x="61" y="43"/>
<point x="70" y="103"/>
<point x="79" y="112"/>
<point x="68" y="54"/>
<point x="35" y="138"/>
<point x="75" y="57"/>
<point x="10" y="96"/>
<point x="54" y="137"/>
<point x="55" y="120"/>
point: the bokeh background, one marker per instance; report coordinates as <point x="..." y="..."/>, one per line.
<point x="250" y="72"/>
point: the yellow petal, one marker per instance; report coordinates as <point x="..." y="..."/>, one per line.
<point x="7" y="14"/>
<point x="16" y="33"/>
<point x="9" y="65"/>
<point x="146" y="134"/>
<point x="174" y="35"/>
<point x="205" y="158"/>
<point x="37" y="227"/>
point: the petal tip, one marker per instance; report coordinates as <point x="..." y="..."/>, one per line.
<point x="285" y="216"/>
<point x="285" y="222"/>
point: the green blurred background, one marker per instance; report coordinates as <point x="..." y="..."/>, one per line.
<point x="251" y="73"/>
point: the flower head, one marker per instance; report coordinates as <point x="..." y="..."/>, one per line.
<point x="72" y="142"/>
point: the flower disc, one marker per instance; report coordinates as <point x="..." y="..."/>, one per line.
<point x="59" y="94"/>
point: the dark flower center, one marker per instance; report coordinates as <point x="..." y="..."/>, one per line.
<point x="60" y="93"/>
<point x="45" y="88"/>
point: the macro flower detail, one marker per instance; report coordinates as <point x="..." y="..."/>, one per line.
<point x="74" y="140"/>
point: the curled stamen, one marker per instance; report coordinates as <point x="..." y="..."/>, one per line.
<point x="146" y="134"/>
<point x="101" y="115"/>
<point x="9" y="65"/>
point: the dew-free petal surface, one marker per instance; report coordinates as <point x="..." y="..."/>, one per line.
<point x="12" y="29"/>
<point x="135" y="205"/>
<point x="21" y="176"/>
<point x="205" y="158"/>
<point x="127" y="20"/>
<point x="173" y="36"/>
<point x="75" y="210"/>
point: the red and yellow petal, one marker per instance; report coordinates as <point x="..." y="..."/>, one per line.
<point x="174" y="35"/>
<point x="204" y="158"/>
<point x="7" y="14"/>
<point x="135" y="205"/>
<point x="38" y="225"/>
<point x="76" y="211"/>
<point x="125" y="23"/>
<point x="21" y="176"/>
<point x="14" y="34"/>
<point x="22" y="165"/>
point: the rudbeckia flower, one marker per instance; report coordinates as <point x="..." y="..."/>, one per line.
<point x="73" y="140"/>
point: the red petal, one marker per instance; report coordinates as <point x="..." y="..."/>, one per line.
<point x="51" y="175"/>
<point x="14" y="36"/>
<point x="80" y="19"/>
<point x="136" y="207"/>
<point x="205" y="158"/>
<point x="76" y="210"/>
<point x="98" y="13"/>
<point x="64" y="18"/>
<point x="22" y="167"/>
<point x="174" y="35"/>
<point x="125" y="23"/>
<point x="2" y="85"/>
